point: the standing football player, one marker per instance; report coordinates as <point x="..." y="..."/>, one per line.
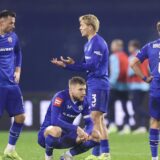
<point x="10" y="70"/>
<point x="151" y="51"/>
<point x="96" y="66"/>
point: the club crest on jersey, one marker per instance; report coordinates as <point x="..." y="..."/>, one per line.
<point x="57" y="102"/>
<point x="10" y="39"/>
<point x="80" y="107"/>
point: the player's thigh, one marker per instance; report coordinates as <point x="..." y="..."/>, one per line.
<point x="3" y="95"/>
<point x="14" y="101"/>
<point x="154" y="107"/>
<point x="54" y="131"/>
<point x="98" y="99"/>
<point x="67" y="140"/>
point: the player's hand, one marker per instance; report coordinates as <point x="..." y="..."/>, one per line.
<point x="69" y="60"/>
<point x="82" y="134"/>
<point x="149" y="79"/>
<point x="95" y="136"/>
<point x="58" y="62"/>
<point x="16" y="76"/>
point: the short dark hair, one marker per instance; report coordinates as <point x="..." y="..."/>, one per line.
<point x="135" y="43"/>
<point x="77" y="80"/>
<point x="6" y="13"/>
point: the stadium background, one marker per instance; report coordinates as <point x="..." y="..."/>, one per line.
<point x="50" y="28"/>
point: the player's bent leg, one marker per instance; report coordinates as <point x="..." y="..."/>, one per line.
<point x="54" y="131"/>
<point x="52" y="134"/>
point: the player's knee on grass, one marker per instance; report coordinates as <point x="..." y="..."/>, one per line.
<point x="154" y="123"/>
<point x="20" y="118"/>
<point x="53" y="131"/>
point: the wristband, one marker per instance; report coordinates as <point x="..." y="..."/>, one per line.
<point x="144" y="78"/>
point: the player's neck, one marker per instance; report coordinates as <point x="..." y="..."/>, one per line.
<point x="90" y="36"/>
<point x="1" y="31"/>
<point x="72" y="98"/>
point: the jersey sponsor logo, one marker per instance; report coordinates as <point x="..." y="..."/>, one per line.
<point x="156" y="45"/>
<point x="6" y="49"/>
<point x="97" y="53"/>
<point x="10" y="40"/>
<point x="57" y="102"/>
<point x="69" y="115"/>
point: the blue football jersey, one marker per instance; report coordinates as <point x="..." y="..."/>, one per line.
<point x="95" y="63"/>
<point x="62" y="111"/>
<point x="151" y="51"/>
<point x="10" y="57"/>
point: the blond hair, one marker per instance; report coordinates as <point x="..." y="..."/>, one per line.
<point x="90" y="19"/>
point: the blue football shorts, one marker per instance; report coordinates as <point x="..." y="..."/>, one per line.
<point x="98" y="99"/>
<point x="11" y="100"/>
<point x="154" y="107"/>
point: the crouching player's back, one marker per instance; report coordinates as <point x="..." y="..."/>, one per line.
<point x="57" y="130"/>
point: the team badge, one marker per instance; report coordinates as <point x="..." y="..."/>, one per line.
<point x="57" y="102"/>
<point x="80" y="107"/>
<point x="10" y="39"/>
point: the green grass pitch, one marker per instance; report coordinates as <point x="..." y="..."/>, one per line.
<point x="123" y="147"/>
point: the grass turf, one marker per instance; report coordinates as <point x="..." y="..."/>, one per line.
<point x="123" y="147"/>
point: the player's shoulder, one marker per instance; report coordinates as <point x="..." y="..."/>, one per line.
<point x="13" y="35"/>
<point x="61" y="94"/>
<point x="100" y="42"/>
<point x="99" y="39"/>
<point x="153" y="44"/>
<point x="59" y="98"/>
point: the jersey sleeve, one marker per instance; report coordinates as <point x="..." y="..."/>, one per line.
<point x="56" y="109"/>
<point x="18" y="53"/>
<point x="92" y="64"/>
<point x="143" y="53"/>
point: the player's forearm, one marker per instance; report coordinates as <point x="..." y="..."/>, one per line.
<point x="19" y="59"/>
<point x="65" y="125"/>
<point x="81" y="67"/>
<point x="88" y="125"/>
<point x="18" y="70"/>
<point x="135" y="65"/>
